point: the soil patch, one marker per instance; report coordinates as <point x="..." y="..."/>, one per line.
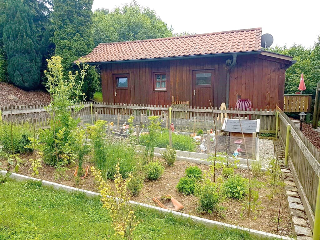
<point x="263" y="219"/>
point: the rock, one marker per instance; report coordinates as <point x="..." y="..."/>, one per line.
<point x="292" y="194"/>
<point x="298" y="213"/>
<point x="303" y="238"/>
<point x="299" y="221"/>
<point x="294" y="200"/>
<point x="296" y="206"/>
<point x="290" y="183"/>
<point x="302" y="231"/>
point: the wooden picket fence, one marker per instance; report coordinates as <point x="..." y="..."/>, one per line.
<point x="183" y="116"/>
<point x="297" y="103"/>
<point x="304" y="162"/>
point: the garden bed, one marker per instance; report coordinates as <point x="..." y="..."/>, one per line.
<point x="265" y="218"/>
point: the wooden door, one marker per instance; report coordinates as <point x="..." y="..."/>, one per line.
<point x="202" y="90"/>
<point x="121" y="88"/>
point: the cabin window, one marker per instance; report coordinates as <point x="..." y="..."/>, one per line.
<point x="122" y="81"/>
<point x="203" y="78"/>
<point x="160" y="81"/>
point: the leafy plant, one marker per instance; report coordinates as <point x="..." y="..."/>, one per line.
<point x="122" y="213"/>
<point x="227" y="172"/>
<point x="150" y="140"/>
<point x="193" y="172"/>
<point x="136" y="184"/>
<point x="14" y="138"/>
<point x="35" y="165"/>
<point x="256" y="168"/>
<point x="97" y="97"/>
<point x="200" y="132"/>
<point x="209" y="197"/>
<point x="169" y="156"/>
<point x="186" y="185"/>
<point x="154" y="170"/>
<point x="235" y="187"/>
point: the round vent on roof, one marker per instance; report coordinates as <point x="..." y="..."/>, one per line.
<point x="266" y="40"/>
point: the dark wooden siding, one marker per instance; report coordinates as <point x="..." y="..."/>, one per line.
<point x="259" y="79"/>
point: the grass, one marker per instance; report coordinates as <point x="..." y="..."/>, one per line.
<point x="30" y="211"/>
<point x="179" y="142"/>
<point x="97" y="97"/>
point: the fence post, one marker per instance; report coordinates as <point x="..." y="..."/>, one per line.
<point x="91" y="113"/>
<point x="287" y="145"/>
<point x="277" y="124"/>
<point x="170" y="132"/>
<point x="316" y="228"/>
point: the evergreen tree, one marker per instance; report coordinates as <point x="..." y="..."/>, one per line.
<point x="72" y="29"/>
<point x="21" y="46"/>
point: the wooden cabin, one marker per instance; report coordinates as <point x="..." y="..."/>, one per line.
<point x="204" y="70"/>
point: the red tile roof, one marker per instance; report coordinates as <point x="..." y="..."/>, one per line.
<point x="246" y="40"/>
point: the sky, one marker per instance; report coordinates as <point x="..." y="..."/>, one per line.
<point x="289" y="21"/>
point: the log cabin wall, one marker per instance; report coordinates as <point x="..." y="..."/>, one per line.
<point x="258" y="78"/>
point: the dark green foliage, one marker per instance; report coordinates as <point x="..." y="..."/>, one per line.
<point x="235" y="187"/>
<point x="72" y="22"/>
<point x="131" y="22"/>
<point x="21" y="46"/>
<point x="194" y="172"/>
<point x="14" y="138"/>
<point x="186" y="185"/>
<point x="179" y="142"/>
<point x="153" y="170"/>
<point x="25" y="37"/>
<point x="91" y="83"/>
<point x="209" y="197"/>
<point x="3" y="66"/>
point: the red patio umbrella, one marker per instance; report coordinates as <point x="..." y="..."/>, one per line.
<point x="302" y="86"/>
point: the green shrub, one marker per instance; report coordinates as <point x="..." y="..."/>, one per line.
<point x="186" y="185"/>
<point x="179" y="142"/>
<point x="227" y="172"/>
<point x="136" y="184"/>
<point x="209" y="198"/>
<point x="169" y="156"/>
<point x="154" y="170"/>
<point x="97" y="97"/>
<point x="14" y="138"/>
<point x="256" y="168"/>
<point x="235" y="187"/>
<point x="194" y="172"/>
<point x="200" y="132"/>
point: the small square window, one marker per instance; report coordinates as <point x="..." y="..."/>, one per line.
<point x="160" y="82"/>
<point x="203" y="78"/>
<point x="122" y="82"/>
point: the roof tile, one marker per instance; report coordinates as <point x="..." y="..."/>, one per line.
<point x="246" y="40"/>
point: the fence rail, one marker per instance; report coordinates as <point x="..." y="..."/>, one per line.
<point x="297" y="103"/>
<point x="304" y="163"/>
<point x="183" y="116"/>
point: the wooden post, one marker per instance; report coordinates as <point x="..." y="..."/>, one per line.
<point x="91" y="113"/>
<point x="254" y="136"/>
<point x="170" y="132"/>
<point x="118" y="122"/>
<point x="287" y="145"/>
<point x="316" y="107"/>
<point x="277" y="124"/>
<point x="316" y="228"/>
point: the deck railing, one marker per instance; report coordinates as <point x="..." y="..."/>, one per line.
<point x="297" y="103"/>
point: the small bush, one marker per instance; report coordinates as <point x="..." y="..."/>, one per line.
<point x="97" y="97"/>
<point x="209" y="198"/>
<point x="14" y="138"/>
<point x="169" y="156"/>
<point x="194" y="172"/>
<point x="235" y="187"/>
<point x="186" y="185"/>
<point x="227" y="172"/>
<point x="135" y="185"/>
<point x="256" y="168"/>
<point x="154" y="170"/>
<point x="200" y="132"/>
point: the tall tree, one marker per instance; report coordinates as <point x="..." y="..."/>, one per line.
<point x="131" y="22"/>
<point x="21" y="46"/>
<point x="72" y="29"/>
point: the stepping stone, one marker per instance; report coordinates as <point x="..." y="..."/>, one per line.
<point x="299" y="221"/>
<point x="298" y="213"/>
<point x="292" y="194"/>
<point x="290" y="183"/>
<point x="302" y="231"/>
<point x="296" y="206"/>
<point x="294" y="200"/>
<point x="304" y="238"/>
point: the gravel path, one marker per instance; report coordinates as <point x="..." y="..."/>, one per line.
<point x="266" y="151"/>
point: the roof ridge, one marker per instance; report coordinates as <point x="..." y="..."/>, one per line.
<point x="181" y="37"/>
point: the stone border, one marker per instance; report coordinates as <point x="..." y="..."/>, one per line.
<point x="207" y="222"/>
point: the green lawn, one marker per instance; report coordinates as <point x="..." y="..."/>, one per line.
<point x="30" y="211"/>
